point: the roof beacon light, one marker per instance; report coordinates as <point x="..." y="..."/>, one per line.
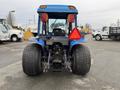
<point x="75" y="34"/>
<point x="43" y="6"/>
<point x="71" y="7"/>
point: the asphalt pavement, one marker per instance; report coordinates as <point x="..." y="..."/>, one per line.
<point x="104" y="73"/>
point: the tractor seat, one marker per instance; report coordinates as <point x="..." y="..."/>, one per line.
<point x="58" y="32"/>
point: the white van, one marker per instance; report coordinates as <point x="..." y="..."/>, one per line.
<point x="4" y="35"/>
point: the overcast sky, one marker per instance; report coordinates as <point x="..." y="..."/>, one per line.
<point x="95" y="12"/>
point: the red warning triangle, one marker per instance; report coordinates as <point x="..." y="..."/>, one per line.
<point x="75" y="34"/>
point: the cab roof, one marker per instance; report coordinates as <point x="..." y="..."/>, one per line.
<point x="57" y="9"/>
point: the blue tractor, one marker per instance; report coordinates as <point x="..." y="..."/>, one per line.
<point x="58" y="45"/>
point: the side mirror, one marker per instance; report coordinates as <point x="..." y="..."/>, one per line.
<point x="44" y="17"/>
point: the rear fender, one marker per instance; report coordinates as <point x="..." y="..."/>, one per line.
<point x="37" y="41"/>
<point x="40" y="42"/>
<point x="77" y="42"/>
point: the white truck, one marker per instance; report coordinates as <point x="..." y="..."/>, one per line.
<point x="107" y="33"/>
<point x="4" y="35"/>
<point x="14" y="34"/>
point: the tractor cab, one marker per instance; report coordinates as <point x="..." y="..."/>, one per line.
<point x="57" y="21"/>
<point x="56" y="16"/>
<point x="58" y="45"/>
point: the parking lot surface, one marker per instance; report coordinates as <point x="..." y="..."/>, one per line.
<point x="104" y="73"/>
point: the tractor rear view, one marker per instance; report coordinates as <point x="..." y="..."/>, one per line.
<point x="58" y="45"/>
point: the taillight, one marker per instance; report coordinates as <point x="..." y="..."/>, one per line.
<point x="71" y="18"/>
<point x="75" y="34"/>
<point x="44" y="17"/>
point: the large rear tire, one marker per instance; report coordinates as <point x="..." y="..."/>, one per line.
<point x="81" y="61"/>
<point x="31" y="60"/>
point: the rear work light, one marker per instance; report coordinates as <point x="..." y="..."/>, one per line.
<point x="71" y="7"/>
<point x="75" y="34"/>
<point x="43" y="6"/>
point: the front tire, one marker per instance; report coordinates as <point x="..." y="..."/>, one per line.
<point x="1" y="42"/>
<point x="14" y="38"/>
<point x="81" y="62"/>
<point x="98" y="38"/>
<point x="31" y="60"/>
